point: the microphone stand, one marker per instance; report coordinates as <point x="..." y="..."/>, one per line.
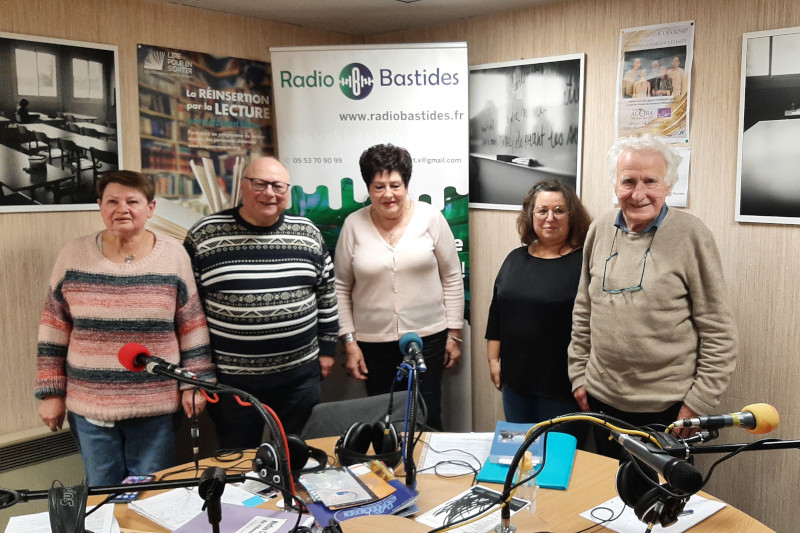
<point x="283" y="460"/>
<point x="12" y="497"/>
<point x="409" y="367"/>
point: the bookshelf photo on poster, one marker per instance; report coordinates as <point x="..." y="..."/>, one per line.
<point x="202" y="109"/>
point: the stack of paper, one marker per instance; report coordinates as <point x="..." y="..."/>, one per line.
<point x="174" y="508"/>
<point x="100" y="521"/>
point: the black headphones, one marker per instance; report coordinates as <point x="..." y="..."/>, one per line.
<point x="266" y="460"/>
<point x="651" y="504"/>
<point x="353" y="445"/>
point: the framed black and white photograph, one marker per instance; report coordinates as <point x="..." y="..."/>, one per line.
<point x="525" y="126"/>
<point x="768" y="177"/>
<point x="59" y="122"/>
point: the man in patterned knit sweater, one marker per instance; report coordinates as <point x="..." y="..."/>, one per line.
<point x="267" y="284"/>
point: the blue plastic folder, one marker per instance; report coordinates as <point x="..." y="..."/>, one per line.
<point x="557" y="467"/>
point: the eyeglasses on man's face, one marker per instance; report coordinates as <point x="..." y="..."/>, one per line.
<point x="278" y="187"/>
<point x="559" y="212"/>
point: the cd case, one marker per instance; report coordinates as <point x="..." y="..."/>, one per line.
<point x="336" y="488"/>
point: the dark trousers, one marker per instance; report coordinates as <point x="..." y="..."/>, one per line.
<point x="241" y="427"/>
<point x="382" y="360"/>
<point x="611" y="448"/>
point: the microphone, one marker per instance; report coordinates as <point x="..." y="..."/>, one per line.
<point x="411" y="346"/>
<point x="678" y="473"/>
<point x="136" y="358"/>
<point x="756" y="418"/>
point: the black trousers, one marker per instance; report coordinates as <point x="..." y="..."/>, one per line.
<point x="382" y="360"/>
<point x="611" y="448"/>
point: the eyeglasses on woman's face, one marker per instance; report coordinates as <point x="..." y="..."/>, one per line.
<point x="559" y="212"/>
<point x="278" y="187"/>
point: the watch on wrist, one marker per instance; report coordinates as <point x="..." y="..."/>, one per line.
<point x="347" y="337"/>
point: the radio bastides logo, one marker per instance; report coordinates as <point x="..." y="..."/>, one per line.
<point x="356" y="81"/>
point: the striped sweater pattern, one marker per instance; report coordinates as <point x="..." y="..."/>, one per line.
<point x="95" y="306"/>
<point x="268" y="292"/>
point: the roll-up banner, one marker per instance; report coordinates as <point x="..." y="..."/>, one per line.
<point x="332" y="103"/>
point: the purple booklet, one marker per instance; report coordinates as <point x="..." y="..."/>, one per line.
<point x="236" y="517"/>
<point x="394" y="503"/>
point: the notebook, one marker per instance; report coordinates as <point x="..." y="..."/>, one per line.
<point x="557" y="468"/>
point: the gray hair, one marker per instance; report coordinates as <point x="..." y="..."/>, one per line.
<point x="646" y="143"/>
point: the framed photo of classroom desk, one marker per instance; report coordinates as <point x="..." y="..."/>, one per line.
<point x="525" y="126"/>
<point x="767" y="186"/>
<point x="58" y="105"/>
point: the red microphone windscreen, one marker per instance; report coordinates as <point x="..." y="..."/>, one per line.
<point x="767" y="417"/>
<point x="127" y="356"/>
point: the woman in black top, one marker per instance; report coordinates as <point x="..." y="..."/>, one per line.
<point x="530" y="319"/>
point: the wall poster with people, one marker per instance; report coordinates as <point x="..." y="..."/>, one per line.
<point x="332" y="103"/>
<point x="525" y="126"/>
<point x="653" y="80"/>
<point x="767" y="188"/>
<point x="58" y="122"/>
<point x="194" y="105"/>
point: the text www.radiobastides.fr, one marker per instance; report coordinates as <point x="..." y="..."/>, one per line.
<point x="401" y="115"/>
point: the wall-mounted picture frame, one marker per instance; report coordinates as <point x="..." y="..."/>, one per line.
<point x="525" y="126"/>
<point x="59" y="122"/>
<point x="768" y="172"/>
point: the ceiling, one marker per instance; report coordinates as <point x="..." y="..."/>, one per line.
<point x="360" y="17"/>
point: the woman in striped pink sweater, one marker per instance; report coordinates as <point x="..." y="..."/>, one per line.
<point x="124" y="284"/>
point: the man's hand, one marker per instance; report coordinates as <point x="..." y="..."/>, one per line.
<point x="580" y="397"/>
<point x="325" y="365"/>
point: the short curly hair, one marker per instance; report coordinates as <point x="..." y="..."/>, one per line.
<point x="645" y="143"/>
<point x="385" y="158"/>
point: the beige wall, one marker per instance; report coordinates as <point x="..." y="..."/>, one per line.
<point x="761" y="263"/>
<point x="29" y="243"/>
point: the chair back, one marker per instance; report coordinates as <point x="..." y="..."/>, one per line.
<point x="41" y="137"/>
<point x="334" y="418"/>
<point x="74" y="128"/>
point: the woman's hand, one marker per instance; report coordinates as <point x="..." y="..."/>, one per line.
<point x="580" y="397"/>
<point x="452" y="353"/>
<point x="493" y="351"/>
<point x="199" y="402"/>
<point x="494" y="372"/>
<point x="52" y="411"/>
<point x="356" y="366"/>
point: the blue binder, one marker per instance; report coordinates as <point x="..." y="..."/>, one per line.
<point x="557" y="467"/>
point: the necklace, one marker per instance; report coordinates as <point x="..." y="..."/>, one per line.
<point x="129" y="258"/>
<point x="392" y="237"/>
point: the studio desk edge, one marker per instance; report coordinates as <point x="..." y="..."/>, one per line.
<point x="591" y="483"/>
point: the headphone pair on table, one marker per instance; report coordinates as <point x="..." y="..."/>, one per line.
<point x="266" y="460"/>
<point x="650" y="503"/>
<point x="353" y="445"/>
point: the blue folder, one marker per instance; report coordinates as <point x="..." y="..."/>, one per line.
<point x="557" y="466"/>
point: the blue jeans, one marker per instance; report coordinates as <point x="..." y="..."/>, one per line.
<point x="133" y="447"/>
<point x="240" y="427"/>
<point x="523" y="408"/>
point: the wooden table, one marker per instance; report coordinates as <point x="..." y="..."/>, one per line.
<point x="591" y="484"/>
<point x="83" y="141"/>
<point x="102" y="130"/>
